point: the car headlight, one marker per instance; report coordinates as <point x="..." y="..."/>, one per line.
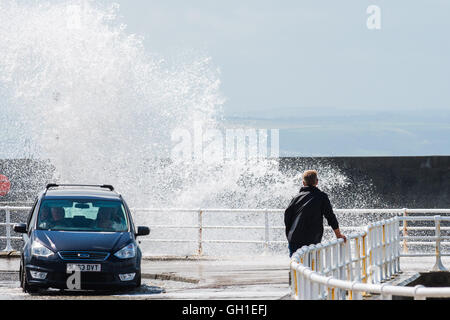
<point x="39" y="250"/>
<point x="129" y="251"/>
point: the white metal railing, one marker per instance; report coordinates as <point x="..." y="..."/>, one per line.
<point x="336" y="270"/>
<point x="8" y="225"/>
<point x="268" y="237"/>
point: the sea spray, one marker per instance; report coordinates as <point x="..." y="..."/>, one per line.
<point x="80" y="91"/>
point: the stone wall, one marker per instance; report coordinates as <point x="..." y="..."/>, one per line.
<point x="397" y="182"/>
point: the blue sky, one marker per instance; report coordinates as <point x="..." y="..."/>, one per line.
<point x="314" y="70"/>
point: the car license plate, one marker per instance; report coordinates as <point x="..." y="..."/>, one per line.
<point x="83" y="267"/>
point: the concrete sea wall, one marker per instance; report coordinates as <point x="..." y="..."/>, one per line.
<point x="397" y="182"/>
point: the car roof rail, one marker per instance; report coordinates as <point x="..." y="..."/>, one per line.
<point x="54" y="185"/>
<point x="51" y="185"/>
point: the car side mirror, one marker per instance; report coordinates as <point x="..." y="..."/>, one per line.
<point x="20" y="228"/>
<point x="142" y="231"/>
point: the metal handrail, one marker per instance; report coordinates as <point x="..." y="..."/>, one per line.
<point x="378" y="261"/>
<point x="266" y="228"/>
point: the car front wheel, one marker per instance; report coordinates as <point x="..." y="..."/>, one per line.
<point x="138" y="280"/>
<point x="26" y="287"/>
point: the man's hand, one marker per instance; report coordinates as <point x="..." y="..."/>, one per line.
<point x="338" y="234"/>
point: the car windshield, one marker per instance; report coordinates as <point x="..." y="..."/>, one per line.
<point x="82" y="215"/>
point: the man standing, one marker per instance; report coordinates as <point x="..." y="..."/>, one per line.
<point x="304" y="215"/>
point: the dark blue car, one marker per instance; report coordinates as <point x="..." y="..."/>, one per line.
<point x="80" y="237"/>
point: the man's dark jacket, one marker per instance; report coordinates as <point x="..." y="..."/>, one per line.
<point x="304" y="217"/>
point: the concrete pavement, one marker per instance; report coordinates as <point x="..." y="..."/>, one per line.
<point x="243" y="277"/>
<point x="256" y="277"/>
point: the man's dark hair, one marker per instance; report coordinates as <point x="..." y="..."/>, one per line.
<point x="310" y="177"/>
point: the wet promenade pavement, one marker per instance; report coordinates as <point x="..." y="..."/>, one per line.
<point x="206" y="278"/>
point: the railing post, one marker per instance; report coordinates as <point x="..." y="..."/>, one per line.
<point x="348" y="265"/>
<point x="364" y="258"/>
<point x="438" y="266"/>
<point x="358" y="258"/>
<point x="8" y="231"/>
<point x="371" y="252"/>
<point x="328" y="264"/>
<point x="379" y="253"/>
<point x="405" y="230"/>
<point x="320" y="267"/>
<point x="200" y="232"/>
<point x="375" y="248"/>
<point x="330" y="290"/>
<point x="306" y="285"/>
<point x="312" y="261"/>
<point x="391" y="244"/>
<point x="302" y="285"/>
<point x="348" y="258"/>
<point x="315" y="293"/>
<point x="294" y="282"/>
<point x="384" y="254"/>
<point x="295" y="261"/>
<point x="369" y="269"/>
<point x="319" y="258"/>
<point x="367" y="259"/>
<point x="335" y="266"/>
<point x="341" y="292"/>
<point x="397" y="246"/>
<point x="298" y="284"/>
<point x="266" y="234"/>
<point x="388" y="245"/>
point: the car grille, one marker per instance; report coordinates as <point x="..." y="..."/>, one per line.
<point x="84" y="255"/>
<point x="96" y="277"/>
<point x="87" y="278"/>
